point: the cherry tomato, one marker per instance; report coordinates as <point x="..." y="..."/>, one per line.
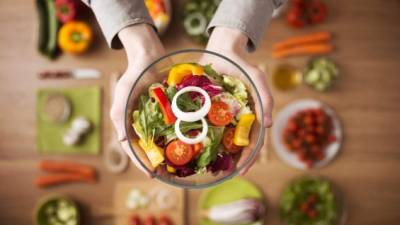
<point x="316" y="11"/>
<point x="197" y="148"/>
<point x="227" y="141"/>
<point x="295" y="17"/>
<point x="179" y="153"/>
<point x="219" y="114"/>
<point x="135" y="220"/>
<point x="164" y="220"/>
<point x="150" y="220"/>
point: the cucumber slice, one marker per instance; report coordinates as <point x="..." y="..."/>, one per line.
<point x="195" y="23"/>
<point x="311" y="77"/>
<point x="326" y="76"/>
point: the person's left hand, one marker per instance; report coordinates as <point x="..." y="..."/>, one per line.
<point x="231" y="43"/>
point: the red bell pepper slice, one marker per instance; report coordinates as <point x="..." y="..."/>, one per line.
<point x="165" y="105"/>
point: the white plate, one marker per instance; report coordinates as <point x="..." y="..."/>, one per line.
<point x="281" y="121"/>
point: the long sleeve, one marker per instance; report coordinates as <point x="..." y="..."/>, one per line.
<point x="249" y="16"/>
<point x="114" y="15"/>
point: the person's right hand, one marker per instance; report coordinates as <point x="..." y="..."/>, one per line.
<point x="142" y="47"/>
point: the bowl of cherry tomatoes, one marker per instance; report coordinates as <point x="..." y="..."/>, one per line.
<point x="307" y="134"/>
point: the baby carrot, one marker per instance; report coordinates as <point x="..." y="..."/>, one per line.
<point x="301" y="40"/>
<point x="66" y="166"/>
<point x="61" y="178"/>
<point x="313" y="49"/>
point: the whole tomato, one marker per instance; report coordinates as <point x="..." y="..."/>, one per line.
<point x="316" y="11"/>
<point x="295" y="17"/>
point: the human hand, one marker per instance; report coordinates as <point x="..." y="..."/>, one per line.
<point x="142" y="47"/>
<point x="232" y="44"/>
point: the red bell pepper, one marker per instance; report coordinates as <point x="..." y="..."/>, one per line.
<point x="165" y="105"/>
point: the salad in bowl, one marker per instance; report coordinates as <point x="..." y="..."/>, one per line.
<point x="191" y="125"/>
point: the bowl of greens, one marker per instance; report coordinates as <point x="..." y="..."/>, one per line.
<point x="312" y="200"/>
<point x="194" y="119"/>
<point x="57" y="210"/>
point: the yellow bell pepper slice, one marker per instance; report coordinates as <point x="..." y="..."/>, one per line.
<point x="178" y="72"/>
<point x="154" y="153"/>
<point x="171" y="169"/>
<point x="242" y="130"/>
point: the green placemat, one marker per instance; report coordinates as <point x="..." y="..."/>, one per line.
<point x="85" y="101"/>
<point x="229" y="191"/>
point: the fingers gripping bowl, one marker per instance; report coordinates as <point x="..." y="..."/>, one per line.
<point x="189" y="123"/>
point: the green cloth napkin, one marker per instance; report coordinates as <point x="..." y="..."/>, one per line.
<point x="85" y="101"/>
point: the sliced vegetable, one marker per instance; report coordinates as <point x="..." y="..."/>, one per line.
<point x="320" y="73"/>
<point x="195" y="23"/>
<point x="162" y="99"/>
<point x="179" y="153"/>
<point x="75" y="37"/>
<point x="227" y="141"/>
<point x="242" y="130"/>
<point x="197" y="148"/>
<point x="191" y="116"/>
<point x="237" y="88"/>
<point x="211" y="145"/>
<point x="322" y="36"/>
<point x="154" y="153"/>
<point x="178" y="72"/>
<point x="309" y="49"/>
<point x="199" y="138"/>
<point x="220" y="114"/>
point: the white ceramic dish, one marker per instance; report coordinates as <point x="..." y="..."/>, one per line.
<point x="281" y="121"/>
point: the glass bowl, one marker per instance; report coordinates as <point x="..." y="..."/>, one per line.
<point x="157" y="72"/>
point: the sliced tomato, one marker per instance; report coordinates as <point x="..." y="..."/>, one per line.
<point x="219" y="114"/>
<point x="179" y="153"/>
<point x="227" y="141"/>
<point x="197" y="148"/>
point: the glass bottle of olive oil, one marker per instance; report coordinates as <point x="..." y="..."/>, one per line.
<point x="286" y="77"/>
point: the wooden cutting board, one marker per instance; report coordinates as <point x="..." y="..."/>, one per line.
<point x="123" y="213"/>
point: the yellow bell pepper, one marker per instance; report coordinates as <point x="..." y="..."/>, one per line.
<point x="242" y="130"/>
<point x="170" y="169"/>
<point x="154" y="153"/>
<point x="75" y="37"/>
<point x="178" y="72"/>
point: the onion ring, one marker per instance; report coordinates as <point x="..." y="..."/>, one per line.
<point x="191" y="116"/>
<point x="200" y="137"/>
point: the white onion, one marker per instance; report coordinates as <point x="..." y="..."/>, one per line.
<point x="199" y="138"/>
<point x="191" y="116"/>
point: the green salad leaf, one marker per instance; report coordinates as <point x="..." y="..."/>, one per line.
<point x="148" y="119"/>
<point x="211" y="144"/>
<point x="184" y="101"/>
<point x="169" y="132"/>
<point x="216" y="77"/>
<point x="237" y="88"/>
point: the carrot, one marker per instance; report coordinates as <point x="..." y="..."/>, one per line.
<point x="321" y="36"/>
<point x="61" y="178"/>
<point x="314" y="49"/>
<point x="66" y="166"/>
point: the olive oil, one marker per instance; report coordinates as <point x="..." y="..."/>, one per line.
<point x="286" y="77"/>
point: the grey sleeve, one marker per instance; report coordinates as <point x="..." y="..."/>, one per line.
<point x="249" y="16"/>
<point x="114" y="15"/>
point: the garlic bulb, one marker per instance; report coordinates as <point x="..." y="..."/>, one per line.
<point x="242" y="211"/>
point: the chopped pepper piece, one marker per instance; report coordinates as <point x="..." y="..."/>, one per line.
<point x="154" y="153"/>
<point x="242" y="130"/>
<point x="165" y="105"/>
<point x="178" y="72"/>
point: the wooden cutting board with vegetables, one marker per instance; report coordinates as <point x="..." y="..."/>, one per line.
<point x="148" y="202"/>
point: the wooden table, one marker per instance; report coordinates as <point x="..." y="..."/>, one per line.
<point x="366" y="97"/>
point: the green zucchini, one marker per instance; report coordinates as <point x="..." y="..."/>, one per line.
<point x="48" y="28"/>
